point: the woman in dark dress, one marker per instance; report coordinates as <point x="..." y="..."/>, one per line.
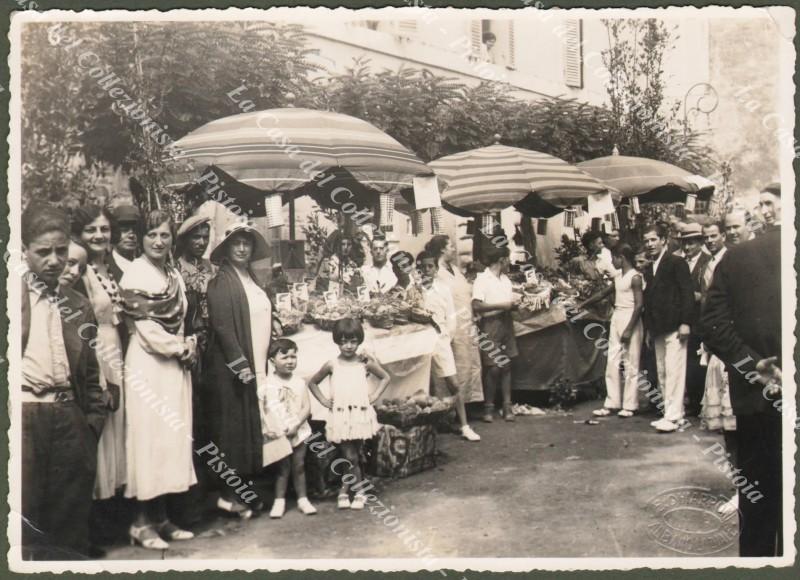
<point x="241" y="321"/>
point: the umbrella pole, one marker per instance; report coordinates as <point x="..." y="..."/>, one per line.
<point x="291" y="220"/>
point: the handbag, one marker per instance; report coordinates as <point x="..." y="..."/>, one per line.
<point x="113" y="394"/>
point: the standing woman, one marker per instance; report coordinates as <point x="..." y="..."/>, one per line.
<point x="96" y="229"/>
<point x="241" y="321"/>
<point x="465" y="349"/>
<point x="159" y="404"/>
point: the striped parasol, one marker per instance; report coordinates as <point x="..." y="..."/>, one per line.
<point x="496" y="177"/>
<point x="285" y="150"/>
<point x="650" y="180"/>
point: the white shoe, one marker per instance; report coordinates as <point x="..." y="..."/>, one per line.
<point x="358" y="503"/>
<point x="603" y="412"/>
<point x="468" y="434"/>
<point x="683" y="423"/>
<point x="666" y="426"/>
<point x="278" y="509"/>
<point x="625" y="413"/>
<point x="305" y="506"/>
<point x="656" y="422"/>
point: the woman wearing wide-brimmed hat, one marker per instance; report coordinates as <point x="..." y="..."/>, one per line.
<point x="241" y="322"/>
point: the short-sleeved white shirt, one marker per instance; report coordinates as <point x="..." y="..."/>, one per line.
<point x="491" y="289"/>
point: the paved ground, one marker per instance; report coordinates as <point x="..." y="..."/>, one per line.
<point x="542" y="487"/>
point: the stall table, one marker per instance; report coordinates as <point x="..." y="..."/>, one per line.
<point x="553" y="348"/>
<point x="404" y="351"/>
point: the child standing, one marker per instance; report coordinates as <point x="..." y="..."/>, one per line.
<point x="625" y="335"/>
<point x="493" y="299"/>
<point x="353" y="418"/>
<point x="437" y="299"/>
<point x="287" y="396"/>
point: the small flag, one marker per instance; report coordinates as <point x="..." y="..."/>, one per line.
<point x="416" y="222"/>
<point x="273" y="206"/>
<point x="635" y="206"/>
<point x="436" y="220"/>
<point x="569" y="218"/>
<point x="690" y="202"/>
<point x="541" y="227"/>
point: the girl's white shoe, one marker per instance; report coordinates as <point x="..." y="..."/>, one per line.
<point x="278" y="509"/>
<point x="305" y="506"/>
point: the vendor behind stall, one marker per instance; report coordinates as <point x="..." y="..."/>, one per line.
<point x="341" y="267"/>
<point x="379" y="277"/>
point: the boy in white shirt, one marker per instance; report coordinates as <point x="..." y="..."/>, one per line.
<point x="439" y="301"/>
<point x="493" y="300"/>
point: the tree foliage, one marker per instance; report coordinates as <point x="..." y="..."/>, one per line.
<point x="180" y="74"/>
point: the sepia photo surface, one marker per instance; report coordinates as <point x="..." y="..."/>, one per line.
<point x="401" y="289"/>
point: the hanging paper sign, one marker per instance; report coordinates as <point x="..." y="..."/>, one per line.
<point x="635" y="206"/>
<point x="300" y="292"/>
<point x="331" y="297"/>
<point x="615" y="221"/>
<point x="283" y="302"/>
<point x="541" y="227"/>
<point x="273" y="206"/>
<point x="387" y="210"/>
<point x="691" y="199"/>
<point x="426" y="192"/>
<point x="417" y="226"/>
<point x="487" y="224"/>
<point x="600" y="204"/>
<point x="362" y="294"/>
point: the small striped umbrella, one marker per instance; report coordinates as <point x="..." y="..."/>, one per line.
<point x="496" y="177"/>
<point x="286" y="150"/>
<point x="650" y="180"/>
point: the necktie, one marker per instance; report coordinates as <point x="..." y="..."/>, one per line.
<point x="57" y="348"/>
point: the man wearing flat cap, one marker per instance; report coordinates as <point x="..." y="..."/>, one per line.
<point x="127" y="248"/>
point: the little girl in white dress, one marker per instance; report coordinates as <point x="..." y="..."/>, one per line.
<point x="353" y="419"/>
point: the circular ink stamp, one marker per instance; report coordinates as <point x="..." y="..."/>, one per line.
<point x="686" y="520"/>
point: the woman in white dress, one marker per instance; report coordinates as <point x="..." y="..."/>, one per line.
<point x="157" y="375"/>
<point x="465" y="348"/>
<point x="94" y="227"/>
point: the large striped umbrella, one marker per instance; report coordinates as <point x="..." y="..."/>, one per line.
<point x="286" y="150"/>
<point x="496" y="177"/>
<point x="650" y="180"/>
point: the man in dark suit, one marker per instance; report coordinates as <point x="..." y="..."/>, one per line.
<point x="692" y="244"/>
<point x="63" y="407"/>
<point x="741" y="324"/>
<point x="668" y="308"/>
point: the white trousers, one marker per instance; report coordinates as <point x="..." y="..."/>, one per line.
<point x="623" y="394"/>
<point x="671" y="363"/>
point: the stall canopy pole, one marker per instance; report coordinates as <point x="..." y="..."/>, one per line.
<point x="291" y="220"/>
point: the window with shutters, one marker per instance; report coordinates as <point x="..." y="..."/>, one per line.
<point x="573" y="53"/>
<point x="407" y="28"/>
<point x="511" y="60"/>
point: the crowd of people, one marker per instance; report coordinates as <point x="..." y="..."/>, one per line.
<point x="140" y="356"/>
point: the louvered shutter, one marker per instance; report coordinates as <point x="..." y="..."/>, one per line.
<point x="512" y="49"/>
<point x="573" y="53"/>
<point x="476" y="37"/>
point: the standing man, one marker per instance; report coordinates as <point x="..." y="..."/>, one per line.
<point x="668" y="308"/>
<point x="742" y="326"/>
<point x="697" y="260"/>
<point x="126" y="249"/>
<point x="379" y="277"/>
<point x="63" y="408"/>
<point x="736" y="229"/>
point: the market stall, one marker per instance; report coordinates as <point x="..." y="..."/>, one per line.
<point x="404" y="351"/>
<point x="552" y="348"/>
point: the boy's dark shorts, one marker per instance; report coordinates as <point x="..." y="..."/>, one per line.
<point x="499" y="329"/>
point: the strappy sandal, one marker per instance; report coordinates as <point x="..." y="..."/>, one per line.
<point x="172" y="532"/>
<point x="234" y="508"/>
<point x="146" y="537"/>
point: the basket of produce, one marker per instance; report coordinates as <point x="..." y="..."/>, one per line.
<point x="325" y="315"/>
<point x="536" y="296"/>
<point x="419" y="409"/>
<point x="380" y="313"/>
<point x="291" y="321"/>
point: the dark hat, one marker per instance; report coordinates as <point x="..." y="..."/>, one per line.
<point x="126" y="214"/>
<point x="774" y="188"/>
